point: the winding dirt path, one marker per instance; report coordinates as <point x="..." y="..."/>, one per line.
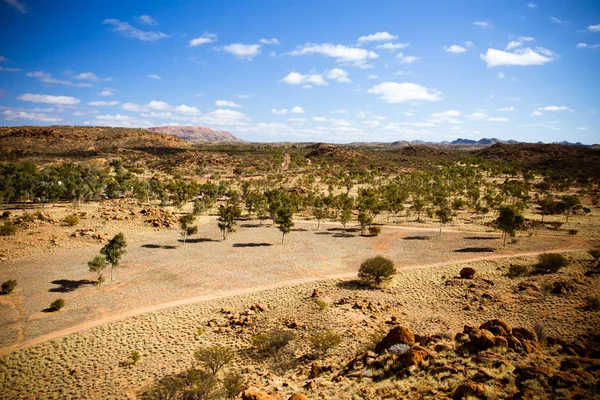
<point x="576" y="245"/>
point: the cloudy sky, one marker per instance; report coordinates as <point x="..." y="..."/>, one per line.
<point x="335" y="71"/>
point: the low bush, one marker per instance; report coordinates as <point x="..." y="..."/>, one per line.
<point x="233" y="384"/>
<point x="71" y="220"/>
<point x="592" y="303"/>
<point x="549" y="263"/>
<point x="57" y="305"/>
<point x="594" y="253"/>
<point x="573" y="232"/>
<point x="376" y="270"/>
<point x="134" y="357"/>
<point x="322" y="305"/>
<point x="8" y="286"/>
<point x="272" y="342"/>
<point x="374" y="230"/>
<point x="516" y="270"/>
<point x="8" y="229"/>
<point x="323" y="341"/>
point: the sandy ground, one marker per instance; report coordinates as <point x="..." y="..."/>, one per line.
<point x="159" y="271"/>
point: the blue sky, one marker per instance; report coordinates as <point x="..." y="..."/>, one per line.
<point x="334" y="71"/>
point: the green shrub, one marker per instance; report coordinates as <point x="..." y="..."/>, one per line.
<point x="374" y="230"/>
<point x="323" y="341"/>
<point x="592" y="303"/>
<point x="573" y="232"/>
<point x="516" y="270"/>
<point x="5" y="215"/>
<point x="594" y="253"/>
<point x="214" y="358"/>
<point x="8" y="229"/>
<point x="272" y="342"/>
<point x="233" y="384"/>
<point x="376" y="270"/>
<point x="134" y="357"/>
<point x="56" y="305"/>
<point x="549" y="263"/>
<point x="322" y="305"/>
<point x="71" y="220"/>
<point x="8" y="286"/>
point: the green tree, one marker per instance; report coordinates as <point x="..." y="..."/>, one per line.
<point x="98" y="264"/>
<point x="569" y="204"/>
<point x="376" y="269"/>
<point x="444" y="215"/>
<point x="284" y="221"/>
<point x="345" y="216"/>
<point x="214" y="358"/>
<point x="320" y="213"/>
<point x="547" y="206"/>
<point x="365" y="219"/>
<point x="113" y="251"/>
<point x="509" y="221"/>
<point x="226" y="221"/>
<point x="187" y="229"/>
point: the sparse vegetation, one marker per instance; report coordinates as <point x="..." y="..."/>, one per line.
<point x="549" y="263"/>
<point x="592" y="303"/>
<point x="516" y="270"/>
<point x="273" y="342"/>
<point x="72" y="220"/>
<point x="376" y="270"/>
<point x="113" y="251"/>
<point x="98" y="264"/>
<point x="56" y="305"/>
<point x="214" y="358"/>
<point x="324" y="341"/>
<point x="7" y="229"/>
<point x="134" y="357"/>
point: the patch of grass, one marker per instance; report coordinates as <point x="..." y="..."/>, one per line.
<point x="72" y="220"/>
<point x="8" y="229"/>
<point x="56" y="305"/>
<point x="549" y="263"/>
<point x="324" y="341"/>
<point x="322" y="305"/>
<point x="134" y="357"/>
<point x="516" y="270"/>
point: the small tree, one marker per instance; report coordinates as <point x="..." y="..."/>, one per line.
<point x="233" y="383"/>
<point x="134" y="357"/>
<point x="284" y="221"/>
<point x="214" y="358"/>
<point x="365" y="219"/>
<point x="56" y="305"/>
<point x="444" y="214"/>
<point x="345" y="216"/>
<point x="377" y="269"/>
<point x="273" y="342"/>
<point x="113" y="251"/>
<point x="97" y="265"/>
<point x="187" y="229"/>
<point x="569" y="204"/>
<point x="320" y="213"/>
<point x="509" y="221"/>
<point x="226" y="220"/>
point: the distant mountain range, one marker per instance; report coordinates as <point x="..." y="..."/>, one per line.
<point x="196" y="134"/>
<point x="488" y="142"/>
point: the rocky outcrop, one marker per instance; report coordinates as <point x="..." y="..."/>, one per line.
<point x="198" y="134"/>
<point x="398" y="335"/>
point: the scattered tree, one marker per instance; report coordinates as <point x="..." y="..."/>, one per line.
<point x="444" y="215"/>
<point x="185" y="224"/>
<point x="97" y="265"/>
<point x="226" y="221"/>
<point x="345" y="216"/>
<point x="113" y="251"/>
<point x="214" y="358"/>
<point x="376" y="269"/>
<point x="284" y="221"/>
<point x="324" y="341"/>
<point x="509" y="221"/>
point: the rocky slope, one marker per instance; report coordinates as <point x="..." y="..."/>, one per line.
<point x="198" y="134"/>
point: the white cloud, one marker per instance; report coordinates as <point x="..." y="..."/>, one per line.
<point x="339" y="75"/>
<point x="449" y="116"/>
<point x="342" y="54"/>
<point x="297" y="119"/>
<point x="482" y="24"/>
<point x="18" y="5"/>
<point x="455" y="49"/>
<point x="536" y="113"/>
<point x="501" y="119"/>
<point x="532" y="5"/>
<point x="161" y="106"/>
<point x="477" y="116"/>
<point x="393" y="92"/>
<point x="295" y="78"/>
<point x="158" y="105"/>
<point x="297" y="110"/>
<point x="3" y="59"/>
<point x="103" y="103"/>
<point x="154" y="76"/>
<point x="553" y="108"/>
<point x="9" y="69"/>
<point x="392" y="46"/>
<point x="106" y="92"/>
<point x="377" y="37"/>
<point x="340" y="111"/>
<point x="90" y="76"/>
<point x="406" y="59"/>
<point x="243" y="50"/>
<point x="501" y="75"/>
<point x="199" y="95"/>
<point x="225" y="103"/>
<point x="517" y="43"/>
<point x="10" y="115"/>
<point x="269" y="41"/>
<point x="243" y="96"/>
<point x="121" y="120"/>
<point x="510" y="108"/>
<point x="320" y="119"/>
<point x="594" y="28"/>
<point x="222" y="117"/>
<point x="585" y="45"/>
<point x="581" y="45"/>
<point x="556" y="20"/>
<point x="148" y="20"/>
<point x="404" y="73"/>
<point x="205" y="38"/>
<point x="494" y="57"/>
<point x="47" y="99"/>
<point x="47" y="78"/>
<point x="279" y="112"/>
<point x="372" y="76"/>
<point x="129" y="31"/>
<point x="183" y="109"/>
<point x="131" y="107"/>
<point x="582" y="128"/>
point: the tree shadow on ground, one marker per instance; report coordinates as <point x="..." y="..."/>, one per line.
<point x="475" y="250"/>
<point x="198" y="240"/>
<point x="343" y="230"/>
<point x="158" y="246"/>
<point x="417" y="238"/>
<point x="323" y="233"/>
<point x="66" y="285"/>
<point x="251" y="225"/>
<point x="299" y="230"/>
<point x="342" y="235"/>
<point x="353" y="284"/>
<point x="252" y="244"/>
<point x="480" y="238"/>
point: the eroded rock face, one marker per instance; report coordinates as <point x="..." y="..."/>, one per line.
<point x="497" y="327"/>
<point x="468" y="389"/>
<point x="399" y="334"/>
<point x="255" y="394"/>
<point x="298" y="396"/>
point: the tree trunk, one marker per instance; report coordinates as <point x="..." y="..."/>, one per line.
<point x="318" y="224"/>
<point x="112" y="273"/>
<point x="504" y="244"/>
<point x="441" y="229"/>
<point x="282" y="237"/>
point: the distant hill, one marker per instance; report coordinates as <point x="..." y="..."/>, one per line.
<point x="196" y="134"/>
